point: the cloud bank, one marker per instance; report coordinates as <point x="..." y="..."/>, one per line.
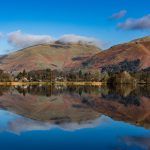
<point x="72" y="38"/>
<point x="136" y="24"/>
<point x="1" y="35"/>
<point x="19" y="39"/>
<point x="119" y="14"/>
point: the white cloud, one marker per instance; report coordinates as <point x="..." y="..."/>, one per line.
<point x="1" y="35"/>
<point x="136" y="24"/>
<point x="119" y="14"/>
<point x="22" y="40"/>
<point x="72" y="38"/>
<point x="19" y="40"/>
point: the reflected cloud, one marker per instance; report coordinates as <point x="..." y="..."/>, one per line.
<point x="143" y="142"/>
<point x="17" y="124"/>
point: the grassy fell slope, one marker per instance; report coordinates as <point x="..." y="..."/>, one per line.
<point x="54" y="56"/>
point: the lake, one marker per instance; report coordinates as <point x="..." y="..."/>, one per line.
<point x="57" y="117"/>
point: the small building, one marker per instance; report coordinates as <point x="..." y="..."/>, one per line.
<point x="60" y="79"/>
<point x="24" y="80"/>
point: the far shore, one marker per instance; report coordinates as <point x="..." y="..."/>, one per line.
<point x="53" y="83"/>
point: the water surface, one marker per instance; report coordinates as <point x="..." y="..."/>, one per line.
<point x="57" y="117"/>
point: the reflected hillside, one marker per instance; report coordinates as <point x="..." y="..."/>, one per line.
<point x="59" y="104"/>
<point x="46" y="104"/>
<point x="124" y="103"/>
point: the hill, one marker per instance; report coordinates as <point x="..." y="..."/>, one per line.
<point x="77" y="56"/>
<point x="53" y="56"/>
<point x="137" y="49"/>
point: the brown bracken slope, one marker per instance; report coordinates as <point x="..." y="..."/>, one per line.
<point x="137" y="49"/>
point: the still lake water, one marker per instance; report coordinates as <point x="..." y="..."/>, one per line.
<point x="71" y="118"/>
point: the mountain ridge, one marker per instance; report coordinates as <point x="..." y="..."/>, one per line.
<point x="43" y="56"/>
<point x="75" y="56"/>
<point x="136" y="49"/>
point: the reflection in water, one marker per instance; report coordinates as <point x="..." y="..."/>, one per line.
<point x="37" y="107"/>
<point x="143" y="142"/>
<point x="17" y="124"/>
<point x="59" y="104"/>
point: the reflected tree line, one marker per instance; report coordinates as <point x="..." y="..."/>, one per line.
<point x="125" y="94"/>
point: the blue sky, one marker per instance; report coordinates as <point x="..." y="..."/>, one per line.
<point x="91" y="18"/>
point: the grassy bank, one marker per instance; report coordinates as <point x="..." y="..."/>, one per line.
<point x="23" y="83"/>
<point x="79" y="83"/>
<point x="51" y="83"/>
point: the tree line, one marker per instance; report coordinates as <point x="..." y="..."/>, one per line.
<point x="48" y="75"/>
<point x="126" y="70"/>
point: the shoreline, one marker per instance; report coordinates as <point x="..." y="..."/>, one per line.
<point x="79" y="83"/>
<point x="52" y="83"/>
<point x="65" y="83"/>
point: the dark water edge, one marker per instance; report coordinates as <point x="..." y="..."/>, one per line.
<point x="75" y="117"/>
